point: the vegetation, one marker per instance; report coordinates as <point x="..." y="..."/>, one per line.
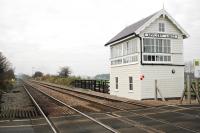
<point x="63" y="77"/>
<point x="38" y="74"/>
<point x="6" y="74"/>
<point x="68" y="81"/>
<point x="65" y="71"/>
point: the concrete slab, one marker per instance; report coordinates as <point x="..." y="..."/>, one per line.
<point x="77" y="124"/>
<point x="26" y="129"/>
<point x="25" y="126"/>
<point x="194" y="112"/>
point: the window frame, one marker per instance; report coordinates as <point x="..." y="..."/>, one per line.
<point x="116" y="83"/>
<point x="156" y="45"/>
<point x="116" y="51"/>
<point x="130" y="79"/>
<point x="161" y="53"/>
<point x="157" y="58"/>
<point x="128" y="53"/>
<point x="161" y="27"/>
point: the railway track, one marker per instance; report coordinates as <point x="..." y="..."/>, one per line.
<point x="147" y="116"/>
<point x="18" y="113"/>
<point x="123" y="121"/>
<point x="83" y="104"/>
<point x="74" y="110"/>
<point x="111" y="103"/>
<point x="11" y="110"/>
<point x="51" y="125"/>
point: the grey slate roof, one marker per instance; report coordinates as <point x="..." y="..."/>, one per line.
<point x="129" y="30"/>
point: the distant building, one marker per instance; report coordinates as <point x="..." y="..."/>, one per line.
<point x="148" y="50"/>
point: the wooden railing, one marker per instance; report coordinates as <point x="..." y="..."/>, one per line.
<point x="95" y="85"/>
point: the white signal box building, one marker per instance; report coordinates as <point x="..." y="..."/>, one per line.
<point x="148" y="50"/>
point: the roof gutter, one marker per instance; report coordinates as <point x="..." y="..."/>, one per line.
<point x="119" y="39"/>
<point x="137" y="35"/>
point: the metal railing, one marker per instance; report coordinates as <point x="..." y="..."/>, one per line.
<point x="95" y="85"/>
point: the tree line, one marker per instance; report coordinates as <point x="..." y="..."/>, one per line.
<point x="6" y="73"/>
<point x="63" y="77"/>
<point x="64" y="72"/>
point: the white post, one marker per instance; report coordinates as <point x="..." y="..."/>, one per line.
<point x="188" y="89"/>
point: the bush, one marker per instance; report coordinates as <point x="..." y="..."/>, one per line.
<point x="68" y="81"/>
<point x="6" y="85"/>
<point x="6" y="74"/>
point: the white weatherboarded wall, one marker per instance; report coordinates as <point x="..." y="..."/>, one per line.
<point x="176" y="44"/>
<point x="171" y="85"/>
<point x="123" y="73"/>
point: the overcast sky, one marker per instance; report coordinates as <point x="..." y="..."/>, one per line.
<point x="48" y="34"/>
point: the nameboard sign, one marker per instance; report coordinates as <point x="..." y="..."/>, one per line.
<point x="161" y="35"/>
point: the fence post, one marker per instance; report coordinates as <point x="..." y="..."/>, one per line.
<point x="85" y="84"/>
<point x="196" y="90"/>
<point x="183" y="94"/>
<point x="94" y="85"/>
<point x="188" y="89"/>
<point x="81" y="84"/>
<point x="75" y="83"/>
<point x="103" y="86"/>
<point x="90" y="84"/>
<point x="99" y="86"/>
<point x="197" y="85"/>
<point x="163" y="99"/>
<point x="156" y="92"/>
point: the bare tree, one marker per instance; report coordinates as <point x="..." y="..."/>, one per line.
<point x="38" y="74"/>
<point x="6" y="73"/>
<point x="4" y="64"/>
<point x="65" y="71"/>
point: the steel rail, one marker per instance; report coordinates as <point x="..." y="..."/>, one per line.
<point x="87" y="116"/>
<point x="148" y="107"/>
<point x="104" y="98"/>
<point x="36" y="104"/>
<point x="158" y="120"/>
<point x="86" y="99"/>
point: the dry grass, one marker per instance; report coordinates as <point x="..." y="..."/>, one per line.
<point x="68" y="81"/>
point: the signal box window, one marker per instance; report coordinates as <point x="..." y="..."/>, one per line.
<point x="161" y="27"/>
<point x="116" y="83"/>
<point x="130" y="83"/>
